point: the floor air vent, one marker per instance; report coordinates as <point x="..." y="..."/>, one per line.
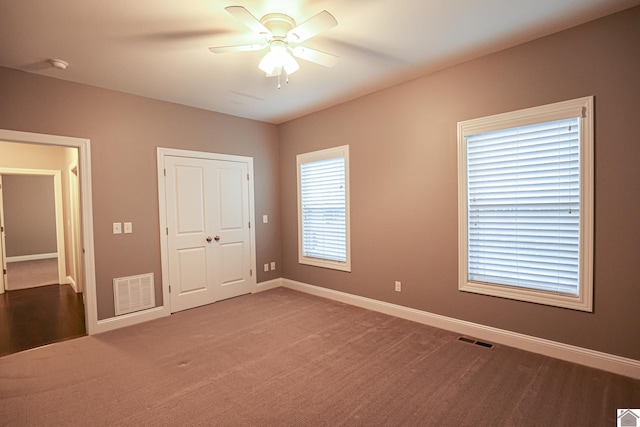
<point x="133" y="293"/>
<point x="476" y="342"/>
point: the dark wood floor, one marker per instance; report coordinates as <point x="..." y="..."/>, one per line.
<point x="39" y="316"/>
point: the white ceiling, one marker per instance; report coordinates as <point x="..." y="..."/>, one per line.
<point x="159" y="48"/>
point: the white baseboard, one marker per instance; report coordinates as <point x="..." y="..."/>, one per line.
<point x="69" y="280"/>
<point x="158" y="312"/>
<point x="270" y="284"/>
<point x="595" y="359"/>
<point x="33" y="257"/>
<point x="131" y="319"/>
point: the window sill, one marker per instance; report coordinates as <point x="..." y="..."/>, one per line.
<point x="529" y="295"/>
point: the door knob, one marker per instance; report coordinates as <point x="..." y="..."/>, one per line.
<point x="217" y="238"/>
<point x="209" y="239"/>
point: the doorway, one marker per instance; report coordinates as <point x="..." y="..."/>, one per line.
<point x="81" y="146"/>
<point x="31" y="212"/>
<point x="206" y="211"/>
<point x="41" y="304"/>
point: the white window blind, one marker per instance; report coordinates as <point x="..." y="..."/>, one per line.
<point x="523" y="207"/>
<point x="323" y="208"/>
<point x="322" y="188"/>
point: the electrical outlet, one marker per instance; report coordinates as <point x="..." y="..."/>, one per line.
<point x="117" y="228"/>
<point x="265" y="219"/>
<point x="398" y="286"/>
<point x="128" y="227"/>
<point x="273" y="265"/>
<point x="266" y="267"/>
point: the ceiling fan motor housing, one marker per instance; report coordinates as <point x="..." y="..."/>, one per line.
<point x="279" y="24"/>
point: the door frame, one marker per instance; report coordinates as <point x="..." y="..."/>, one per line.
<point x="75" y="246"/>
<point x="57" y="191"/>
<point x="162" y="206"/>
<point x="86" y="203"/>
<point x="3" y="252"/>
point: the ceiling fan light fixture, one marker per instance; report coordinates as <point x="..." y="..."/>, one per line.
<point x="277" y="59"/>
<point x="282" y="37"/>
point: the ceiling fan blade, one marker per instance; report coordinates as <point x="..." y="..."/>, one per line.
<point x="244" y="16"/>
<point x="240" y="48"/>
<point x="311" y="27"/>
<point x="315" y="56"/>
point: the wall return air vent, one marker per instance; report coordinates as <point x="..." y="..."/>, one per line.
<point x="133" y="293"/>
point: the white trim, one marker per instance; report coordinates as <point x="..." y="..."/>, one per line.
<point x="581" y="107"/>
<point x="84" y="159"/>
<point x="75" y="250"/>
<point x="34" y="257"/>
<point x="270" y="284"/>
<point x="595" y="359"/>
<point x="314" y="156"/>
<point x="162" y="203"/>
<point x="70" y="281"/>
<point x="131" y="319"/>
<point x="3" y="255"/>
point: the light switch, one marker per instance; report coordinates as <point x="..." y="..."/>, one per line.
<point x="128" y="227"/>
<point x="265" y="219"/>
<point x="117" y="228"/>
<point x="273" y="265"/>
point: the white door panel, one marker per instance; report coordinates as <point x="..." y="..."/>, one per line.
<point x="191" y="270"/>
<point x="209" y="243"/>
<point x="234" y="230"/>
<point x="232" y="263"/>
<point x="232" y="215"/>
<point x="190" y="199"/>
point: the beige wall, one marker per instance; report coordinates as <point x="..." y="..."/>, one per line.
<point x="124" y="131"/>
<point x="29" y="215"/>
<point x="404" y="181"/>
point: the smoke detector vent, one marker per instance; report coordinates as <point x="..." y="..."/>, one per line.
<point x="59" y="64"/>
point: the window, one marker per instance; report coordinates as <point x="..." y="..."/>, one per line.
<point x="525" y="189"/>
<point x="323" y="208"/>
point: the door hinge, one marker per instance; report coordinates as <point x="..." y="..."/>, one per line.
<point x="165" y="172"/>
<point x="250" y="272"/>
<point x="249" y="224"/>
<point x="4" y="271"/>
<point x="169" y="288"/>
<point x="167" y="231"/>
<point x="247" y="177"/>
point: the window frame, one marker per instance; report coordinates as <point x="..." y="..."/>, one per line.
<point x="581" y="107"/>
<point x="329" y="153"/>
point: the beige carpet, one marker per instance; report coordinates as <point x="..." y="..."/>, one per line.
<point x="283" y="358"/>
<point x="31" y="274"/>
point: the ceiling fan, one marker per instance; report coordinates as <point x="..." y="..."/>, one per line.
<point x="283" y="37"/>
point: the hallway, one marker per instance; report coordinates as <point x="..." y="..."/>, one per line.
<point x="39" y="316"/>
